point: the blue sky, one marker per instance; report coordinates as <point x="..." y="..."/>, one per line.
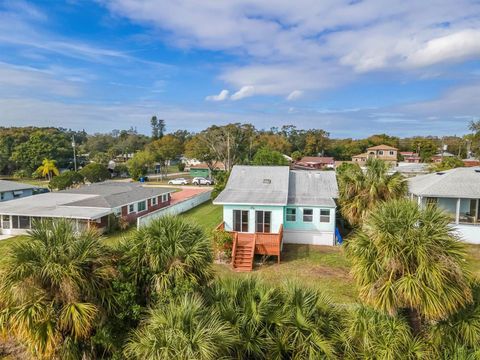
<point x="353" y="68"/>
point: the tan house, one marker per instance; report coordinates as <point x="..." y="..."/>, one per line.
<point x="382" y="152"/>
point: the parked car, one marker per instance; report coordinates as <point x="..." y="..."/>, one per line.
<point x="202" y="181"/>
<point x="178" y="181"/>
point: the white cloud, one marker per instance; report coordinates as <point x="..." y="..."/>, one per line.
<point x="295" y="95"/>
<point x="314" y="45"/>
<point x="245" y="91"/>
<point x="452" y="47"/>
<point x="223" y="95"/>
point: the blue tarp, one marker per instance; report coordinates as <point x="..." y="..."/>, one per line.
<point x="338" y="236"/>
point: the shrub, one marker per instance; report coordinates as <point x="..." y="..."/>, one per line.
<point x="95" y="173"/>
<point x="66" y="180"/>
<point x="181" y="167"/>
<point x="21" y="174"/>
<point x="222" y="244"/>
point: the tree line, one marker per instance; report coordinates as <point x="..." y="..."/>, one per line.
<point x="22" y="150"/>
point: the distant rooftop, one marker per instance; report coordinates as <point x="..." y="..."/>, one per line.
<point x="382" y="147"/>
<point x="6" y="185"/>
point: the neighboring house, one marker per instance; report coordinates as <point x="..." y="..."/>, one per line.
<point x="10" y="190"/>
<point x="265" y="206"/>
<point x="411" y="169"/>
<point x="457" y="192"/>
<point x="202" y="169"/>
<point x="315" y="162"/>
<point x="89" y="205"/>
<point x="382" y="152"/>
<point x="438" y="158"/>
<point x="189" y="162"/>
<point x="410" y="157"/>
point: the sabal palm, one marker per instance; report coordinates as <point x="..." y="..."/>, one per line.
<point x="184" y="329"/>
<point x="361" y="190"/>
<point x="373" y="335"/>
<point x="54" y="287"/>
<point x="170" y="252"/>
<point x="48" y="168"/>
<point x="405" y="258"/>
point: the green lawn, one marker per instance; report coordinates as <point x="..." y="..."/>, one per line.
<point x="206" y="215"/>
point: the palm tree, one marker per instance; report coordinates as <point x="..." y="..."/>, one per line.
<point x="48" y="168"/>
<point x="408" y="260"/>
<point x="360" y="191"/>
<point x="182" y="329"/>
<point x="54" y="288"/>
<point x="167" y="255"/>
<point x="373" y="335"/>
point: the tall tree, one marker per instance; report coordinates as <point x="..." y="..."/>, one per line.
<point x="230" y="144"/>
<point x="158" y="127"/>
<point x="409" y="260"/>
<point x="55" y="290"/>
<point x="166" y="149"/>
<point x="266" y="156"/>
<point x="360" y="191"/>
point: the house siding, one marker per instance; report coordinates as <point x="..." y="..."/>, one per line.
<point x="8" y="195"/>
<point x="132" y="217"/>
<point x="277" y="216"/>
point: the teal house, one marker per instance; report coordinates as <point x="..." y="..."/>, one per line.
<point x="275" y="203"/>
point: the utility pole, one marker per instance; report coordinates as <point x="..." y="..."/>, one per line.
<point x="74" y="154"/>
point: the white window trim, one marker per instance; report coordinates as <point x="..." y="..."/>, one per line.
<point x="311" y="216"/>
<point x="154" y="201"/>
<point x="134" y="208"/>
<point x="294" y="214"/>
<point x="320" y="216"/>
<point x="146" y="205"/>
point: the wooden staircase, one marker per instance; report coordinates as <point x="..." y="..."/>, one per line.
<point x="243" y="251"/>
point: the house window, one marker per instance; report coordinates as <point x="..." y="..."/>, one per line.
<point x="131" y="208"/>
<point x="15" y="222"/>
<point x="263" y="221"/>
<point x="24" y="222"/>
<point x="291" y="214"/>
<point x="380" y="152"/>
<point x="2" y="196"/>
<point x="240" y="220"/>
<point x="164" y="197"/>
<point x="6" y="221"/>
<point x="142" y="206"/>
<point x="324" y="215"/>
<point x="154" y="201"/>
<point x="307" y="215"/>
<point x="392" y="152"/>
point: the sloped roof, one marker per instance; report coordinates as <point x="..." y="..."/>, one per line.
<point x="361" y="155"/>
<point x="6" y="185"/>
<point x="382" y="147"/>
<point x="256" y="185"/>
<point x="314" y="188"/>
<point x="87" y="202"/>
<point x="457" y="183"/>
<point x="318" y="159"/>
<point x="278" y="186"/>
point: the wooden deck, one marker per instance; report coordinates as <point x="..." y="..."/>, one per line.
<point x="246" y="245"/>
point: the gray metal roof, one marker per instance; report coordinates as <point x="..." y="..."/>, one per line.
<point x="278" y="186"/>
<point x="6" y="185"/>
<point x="312" y="188"/>
<point x="457" y="183"/>
<point x="88" y="202"/>
<point x="256" y="185"/>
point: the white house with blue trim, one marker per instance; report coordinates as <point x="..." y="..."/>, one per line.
<point x="457" y="193"/>
<point x="275" y="199"/>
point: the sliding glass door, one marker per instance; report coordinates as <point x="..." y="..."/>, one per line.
<point x="263" y="220"/>
<point x="240" y="220"/>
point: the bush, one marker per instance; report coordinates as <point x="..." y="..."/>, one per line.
<point x="222" y="244"/>
<point x="221" y="178"/>
<point x="181" y="167"/>
<point x="66" y="180"/>
<point x="95" y="173"/>
<point x="21" y="174"/>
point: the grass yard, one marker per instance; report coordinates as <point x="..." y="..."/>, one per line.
<point x="207" y="215"/>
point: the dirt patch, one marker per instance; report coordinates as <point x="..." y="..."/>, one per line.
<point x="326" y="271"/>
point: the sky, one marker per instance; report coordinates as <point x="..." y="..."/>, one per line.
<point x="352" y="68"/>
